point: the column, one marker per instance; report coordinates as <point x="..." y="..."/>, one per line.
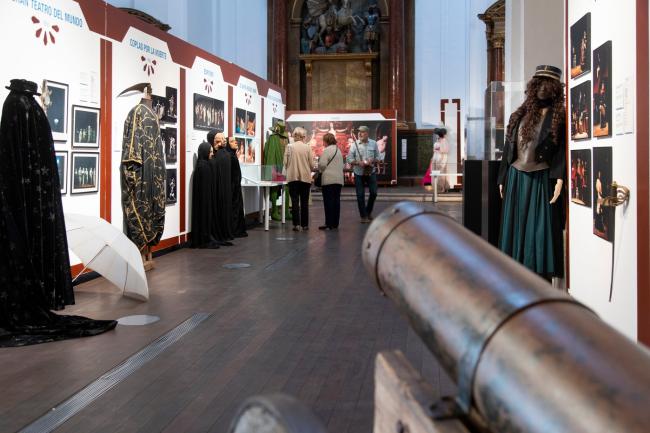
<point x="279" y="35"/>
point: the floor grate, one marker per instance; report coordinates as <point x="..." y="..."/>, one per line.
<point x="112" y="378"/>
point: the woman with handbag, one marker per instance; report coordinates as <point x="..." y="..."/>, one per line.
<point x="330" y="167"/>
<point x="298" y="160"/>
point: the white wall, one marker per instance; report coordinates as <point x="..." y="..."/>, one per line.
<point x="590" y="256"/>
<point x="450" y="58"/>
<point x="232" y="30"/>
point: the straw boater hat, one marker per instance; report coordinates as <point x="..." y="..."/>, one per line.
<point x="548" y="71"/>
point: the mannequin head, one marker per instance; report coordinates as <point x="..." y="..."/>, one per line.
<point x="232" y="143"/>
<point x="542" y="93"/>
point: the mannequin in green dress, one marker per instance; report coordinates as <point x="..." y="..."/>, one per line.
<point x="273" y="158"/>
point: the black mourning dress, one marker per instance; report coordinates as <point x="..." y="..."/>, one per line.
<point x="202" y="193"/>
<point x="34" y="263"/>
<point x="221" y="168"/>
<point x="238" y="219"/>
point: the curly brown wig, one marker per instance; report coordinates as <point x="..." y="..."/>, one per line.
<point x="534" y="106"/>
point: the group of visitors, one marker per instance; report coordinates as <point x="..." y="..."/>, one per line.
<point x="298" y="161"/>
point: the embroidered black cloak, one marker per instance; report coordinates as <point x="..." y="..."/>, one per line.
<point x="238" y="218"/>
<point x="143" y="177"/>
<point x="34" y="263"/>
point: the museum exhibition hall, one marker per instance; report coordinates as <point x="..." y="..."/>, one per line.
<point x="310" y="216"/>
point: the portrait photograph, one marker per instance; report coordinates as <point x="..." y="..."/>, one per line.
<point x="240" y="121"/>
<point x="250" y="152"/>
<point x="250" y="123"/>
<point x="241" y="149"/>
<point x="604" y="216"/>
<point x="602" y="75"/>
<point x="581" y="111"/>
<point x="54" y="97"/>
<point x="581" y="46"/>
<point x="581" y="177"/>
<point x="84" y="173"/>
<point x="159" y="106"/>
<point x="62" y="168"/>
<point x="169" y="137"/>
<point x="171" y="186"/>
<point x="208" y="113"/>
<point x="171" y="105"/>
<point x="85" y="126"/>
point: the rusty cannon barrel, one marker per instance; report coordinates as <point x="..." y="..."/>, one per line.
<point x="526" y="357"/>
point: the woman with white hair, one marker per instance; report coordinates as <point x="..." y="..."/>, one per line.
<point x="298" y="161"/>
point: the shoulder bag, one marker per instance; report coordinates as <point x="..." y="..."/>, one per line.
<point x="318" y="179"/>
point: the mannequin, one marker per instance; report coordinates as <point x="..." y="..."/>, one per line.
<point x="531" y="177"/>
<point x="222" y="198"/>
<point x="274" y="156"/>
<point x="238" y="217"/>
<point x="202" y="193"/>
<point x="439" y="159"/>
<point x="34" y="263"/>
<point x="143" y="176"/>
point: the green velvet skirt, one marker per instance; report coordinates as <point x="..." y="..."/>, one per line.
<point x="531" y="227"/>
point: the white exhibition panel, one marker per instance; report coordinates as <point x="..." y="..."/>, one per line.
<point x="130" y="69"/>
<point x="246" y="97"/>
<point x="66" y="52"/>
<point x="590" y="256"/>
<point x="273" y="108"/>
<point x="205" y="78"/>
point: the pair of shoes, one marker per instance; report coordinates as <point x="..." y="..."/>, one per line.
<point x="323" y="227"/>
<point x="365" y="220"/>
<point x="305" y="228"/>
<point x="296" y="228"/>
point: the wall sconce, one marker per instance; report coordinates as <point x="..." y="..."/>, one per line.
<point x="619" y="194"/>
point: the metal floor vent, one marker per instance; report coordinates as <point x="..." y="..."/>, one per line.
<point x="66" y="410"/>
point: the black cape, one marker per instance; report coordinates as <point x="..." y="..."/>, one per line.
<point x="238" y="218"/>
<point x="202" y="196"/>
<point x="34" y="263"/>
<point x="222" y="205"/>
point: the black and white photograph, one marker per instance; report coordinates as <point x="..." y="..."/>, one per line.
<point x="581" y="177"/>
<point x="159" y="106"/>
<point x="171" y="112"/>
<point x="169" y="137"/>
<point x="581" y="111"/>
<point x="170" y="186"/>
<point x="85" y="126"/>
<point x="62" y="168"/>
<point x="240" y="121"/>
<point x="84" y="172"/>
<point x="250" y="123"/>
<point x="581" y="46"/>
<point x="602" y="117"/>
<point x="208" y="113"/>
<point x="604" y="216"/>
<point x="54" y="97"/>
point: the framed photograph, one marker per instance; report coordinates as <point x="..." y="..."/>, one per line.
<point x="249" y="158"/>
<point x="250" y="123"/>
<point x="241" y="149"/>
<point x="581" y="111"/>
<point x="170" y="186"/>
<point x="170" y="142"/>
<point x="85" y="172"/>
<point x="581" y="177"/>
<point x="54" y="97"/>
<point x="604" y="216"/>
<point x="208" y="113"/>
<point x="62" y="169"/>
<point x="602" y="117"/>
<point x="85" y="126"/>
<point x="159" y="106"/>
<point x="581" y="46"/>
<point x="171" y="95"/>
<point x="240" y="121"/>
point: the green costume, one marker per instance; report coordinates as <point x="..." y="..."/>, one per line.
<point x="273" y="162"/>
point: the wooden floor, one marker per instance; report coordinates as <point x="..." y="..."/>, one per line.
<point x="304" y="319"/>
